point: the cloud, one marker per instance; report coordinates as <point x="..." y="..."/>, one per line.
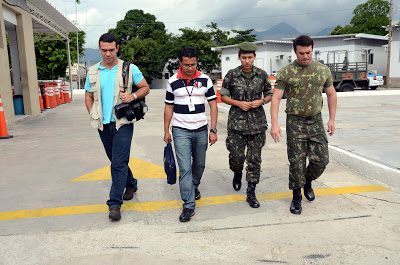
<point x="307" y="16"/>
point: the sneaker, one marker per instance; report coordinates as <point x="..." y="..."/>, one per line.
<point x="115" y="214"/>
<point x="197" y="194"/>
<point x="186" y="215"/>
<point x="128" y="194"/>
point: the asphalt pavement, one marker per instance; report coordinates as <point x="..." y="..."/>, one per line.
<point x="54" y="183"/>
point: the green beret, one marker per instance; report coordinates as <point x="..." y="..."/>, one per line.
<point x="247" y="47"/>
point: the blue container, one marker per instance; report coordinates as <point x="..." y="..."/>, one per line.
<point x="18" y="105"/>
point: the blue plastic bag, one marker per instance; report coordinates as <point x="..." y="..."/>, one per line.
<point x="169" y="164"/>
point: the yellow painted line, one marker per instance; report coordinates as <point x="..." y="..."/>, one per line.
<point x="141" y="170"/>
<point x="167" y="205"/>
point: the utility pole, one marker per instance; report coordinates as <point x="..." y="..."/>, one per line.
<point x="77" y="45"/>
<point x="389" y="46"/>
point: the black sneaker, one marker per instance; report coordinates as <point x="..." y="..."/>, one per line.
<point x="197" y="194"/>
<point x="186" y="215"/>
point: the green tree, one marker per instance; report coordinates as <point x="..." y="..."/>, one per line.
<point x="199" y="39"/>
<point x="137" y="24"/>
<point x="242" y="35"/>
<point x="141" y="40"/>
<point x="368" y="18"/>
<point x="51" y="55"/>
<point x="219" y="36"/>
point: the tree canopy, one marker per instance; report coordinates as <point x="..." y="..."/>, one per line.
<point x="368" y="18"/>
<point x="145" y="42"/>
<point x="52" y="57"/>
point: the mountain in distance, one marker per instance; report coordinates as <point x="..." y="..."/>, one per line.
<point x="92" y="56"/>
<point x="324" y="32"/>
<point x="284" y="30"/>
<point x="277" y="32"/>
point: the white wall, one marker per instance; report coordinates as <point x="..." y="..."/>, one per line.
<point x="265" y="57"/>
<point x="395" y="55"/>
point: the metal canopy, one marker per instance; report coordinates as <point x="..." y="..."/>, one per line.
<point x="47" y="19"/>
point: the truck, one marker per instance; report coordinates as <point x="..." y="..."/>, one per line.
<point x="347" y="76"/>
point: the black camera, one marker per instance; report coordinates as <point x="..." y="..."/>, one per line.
<point x="124" y="110"/>
<point x="134" y="109"/>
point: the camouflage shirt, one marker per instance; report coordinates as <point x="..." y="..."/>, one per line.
<point x="248" y="88"/>
<point x="303" y="86"/>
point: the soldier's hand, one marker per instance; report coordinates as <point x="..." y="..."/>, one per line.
<point x="167" y="137"/>
<point x="276" y="132"/>
<point x="244" y="105"/>
<point x="331" y="127"/>
<point x="257" y="103"/>
<point x="126" y="97"/>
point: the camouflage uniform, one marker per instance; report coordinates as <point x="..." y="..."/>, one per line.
<point x="246" y="128"/>
<point x="306" y="136"/>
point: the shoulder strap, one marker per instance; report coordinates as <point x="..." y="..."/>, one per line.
<point x="125" y="74"/>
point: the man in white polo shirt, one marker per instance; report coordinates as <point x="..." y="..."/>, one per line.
<point x="185" y="106"/>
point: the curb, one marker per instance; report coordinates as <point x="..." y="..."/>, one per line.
<point x="376" y="171"/>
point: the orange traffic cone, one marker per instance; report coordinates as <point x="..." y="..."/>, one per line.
<point x="46" y="100"/>
<point x="40" y="99"/>
<point x="67" y="99"/>
<point x="219" y="86"/>
<point x="3" y="125"/>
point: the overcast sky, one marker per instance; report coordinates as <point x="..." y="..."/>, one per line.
<point x="95" y="17"/>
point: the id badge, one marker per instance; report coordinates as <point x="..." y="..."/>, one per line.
<point x="191" y="107"/>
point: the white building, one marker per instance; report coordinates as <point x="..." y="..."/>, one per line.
<point x="357" y="47"/>
<point x="395" y="57"/>
<point x="271" y="56"/>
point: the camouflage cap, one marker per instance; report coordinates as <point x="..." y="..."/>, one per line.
<point x="247" y="47"/>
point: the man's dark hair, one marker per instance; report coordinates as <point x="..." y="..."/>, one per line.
<point x="304" y="41"/>
<point x="108" y="37"/>
<point x="189" y="52"/>
<point x="242" y="52"/>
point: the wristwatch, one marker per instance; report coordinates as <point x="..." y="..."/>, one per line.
<point x="134" y="96"/>
<point x="214" y="130"/>
<point x="264" y="102"/>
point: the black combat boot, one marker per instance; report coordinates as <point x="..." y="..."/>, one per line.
<point x="237" y="181"/>
<point x="295" y="206"/>
<point x="251" y="196"/>
<point x="308" y="191"/>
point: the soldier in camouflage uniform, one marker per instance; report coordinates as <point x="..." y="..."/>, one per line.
<point x="303" y="80"/>
<point x="246" y="88"/>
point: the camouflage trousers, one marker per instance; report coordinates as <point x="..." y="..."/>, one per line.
<point x="306" y="138"/>
<point x="236" y="144"/>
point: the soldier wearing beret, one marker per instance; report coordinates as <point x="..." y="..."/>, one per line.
<point x="246" y="88"/>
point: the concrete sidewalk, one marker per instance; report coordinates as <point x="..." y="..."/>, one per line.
<point x="353" y="220"/>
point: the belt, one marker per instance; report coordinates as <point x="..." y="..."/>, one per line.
<point x="305" y="118"/>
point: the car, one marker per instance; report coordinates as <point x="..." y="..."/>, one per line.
<point x="374" y="80"/>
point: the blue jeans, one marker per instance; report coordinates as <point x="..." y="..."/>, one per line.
<point x="118" y="147"/>
<point x="190" y="150"/>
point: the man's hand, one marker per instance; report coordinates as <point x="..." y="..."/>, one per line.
<point x="212" y="138"/>
<point x="244" y="105"/>
<point x="167" y="137"/>
<point x="276" y="132"/>
<point x="331" y="127"/>
<point x="126" y="97"/>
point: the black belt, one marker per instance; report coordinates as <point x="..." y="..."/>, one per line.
<point x="306" y="118"/>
